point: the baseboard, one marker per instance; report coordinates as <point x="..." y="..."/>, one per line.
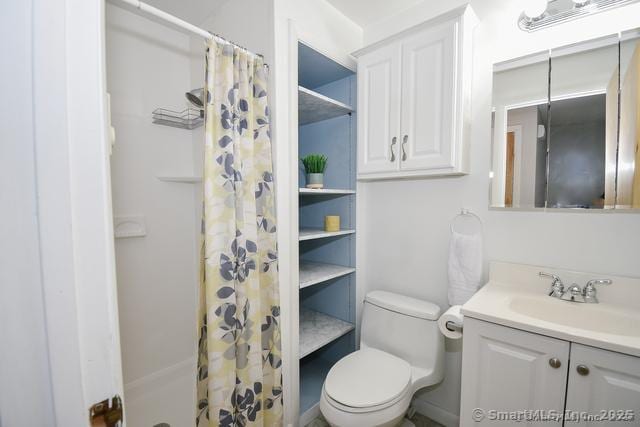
<point x="309" y="415"/>
<point x="141" y="386"/>
<point x="436" y="413"/>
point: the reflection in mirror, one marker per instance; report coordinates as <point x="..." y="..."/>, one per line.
<point x="628" y="194"/>
<point x="583" y="124"/>
<point x="519" y="135"/>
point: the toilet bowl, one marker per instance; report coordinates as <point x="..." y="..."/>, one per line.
<point x="401" y="351"/>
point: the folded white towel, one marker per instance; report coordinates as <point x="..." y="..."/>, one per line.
<point x="465" y="266"/>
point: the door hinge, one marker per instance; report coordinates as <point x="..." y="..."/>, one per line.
<point x="107" y="413"/>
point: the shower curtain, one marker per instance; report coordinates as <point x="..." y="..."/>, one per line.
<point x="239" y="361"/>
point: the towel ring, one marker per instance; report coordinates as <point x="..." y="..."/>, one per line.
<point x="465" y="212"/>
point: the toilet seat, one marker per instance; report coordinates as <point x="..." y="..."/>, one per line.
<point x="367" y="380"/>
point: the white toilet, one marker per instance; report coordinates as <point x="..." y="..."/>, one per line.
<point x="401" y="351"/>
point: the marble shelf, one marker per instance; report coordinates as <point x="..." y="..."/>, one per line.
<point x="312" y="273"/>
<point x="314" y="107"/>
<point x="318" y="233"/>
<point x="318" y="329"/>
<point x="323" y="191"/>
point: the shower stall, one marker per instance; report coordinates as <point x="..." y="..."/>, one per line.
<point x="156" y="168"/>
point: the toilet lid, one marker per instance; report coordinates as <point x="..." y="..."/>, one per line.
<point x="366" y="378"/>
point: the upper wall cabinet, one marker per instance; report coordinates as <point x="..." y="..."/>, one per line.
<point x="413" y="100"/>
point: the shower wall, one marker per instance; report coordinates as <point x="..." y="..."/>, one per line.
<point x="149" y="66"/>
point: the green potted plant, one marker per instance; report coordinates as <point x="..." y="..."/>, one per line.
<point x="314" y="167"/>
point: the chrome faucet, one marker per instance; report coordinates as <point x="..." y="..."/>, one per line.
<point x="574" y="292"/>
<point x="589" y="292"/>
<point x="557" y="287"/>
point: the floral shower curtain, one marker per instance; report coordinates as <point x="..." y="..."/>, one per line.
<point x="239" y="359"/>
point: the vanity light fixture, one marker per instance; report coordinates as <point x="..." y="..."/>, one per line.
<point x="556" y="12"/>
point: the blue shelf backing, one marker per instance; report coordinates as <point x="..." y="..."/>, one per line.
<point x="312" y="374"/>
<point x="314" y="369"/>
<point x="315" y="69"/>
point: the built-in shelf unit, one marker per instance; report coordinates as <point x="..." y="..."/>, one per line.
<point x="327" y="125"/>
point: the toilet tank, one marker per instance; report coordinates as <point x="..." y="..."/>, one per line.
<point x="405" y="327"/>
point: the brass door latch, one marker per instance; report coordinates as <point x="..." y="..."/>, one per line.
<point x="107" y="413"/>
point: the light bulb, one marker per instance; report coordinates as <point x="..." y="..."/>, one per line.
<point x="535" y="8"/>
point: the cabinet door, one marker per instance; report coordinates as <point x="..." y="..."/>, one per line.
<point x="428" y="99"/>
<point x="379" y="110"/>
<point x="505" y="369"/>
<point x="601" y="381"/>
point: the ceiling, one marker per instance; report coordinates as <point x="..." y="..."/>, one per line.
<point x="365" y="12"/>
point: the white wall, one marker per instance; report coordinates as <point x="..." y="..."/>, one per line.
<point x="421" y="210"/>
<point x="149" y="66"/>
<point x="25" y="378"/>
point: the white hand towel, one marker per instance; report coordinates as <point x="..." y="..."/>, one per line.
<point x="465" y="266"/>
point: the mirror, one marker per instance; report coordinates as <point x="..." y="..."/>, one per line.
<point x="519" y="134"/>
<point x="559" y="139"/>
<point x="628" y="178"/>
<point x="583" y="126"/>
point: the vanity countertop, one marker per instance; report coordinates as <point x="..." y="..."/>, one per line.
<point x="517" y="297"/>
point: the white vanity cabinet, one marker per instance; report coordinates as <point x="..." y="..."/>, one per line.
<point x="603" y="383"/>
<point x="505" y="369"/>
<point x="413" y="97"/>
<point x="509" y="370"/>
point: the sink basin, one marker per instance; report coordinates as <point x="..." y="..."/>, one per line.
<point x="588" y="317"/>
<point x="516" y="297"/>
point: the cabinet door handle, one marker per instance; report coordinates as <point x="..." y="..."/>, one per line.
<point x="404" y="151"/>
<point x="393" y="154"/>
<point x="582" y="370"/>
<point x="555" y="363"/>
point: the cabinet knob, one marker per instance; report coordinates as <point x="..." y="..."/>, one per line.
<point x="582" y="370"/>
<point x="555" y="363"/>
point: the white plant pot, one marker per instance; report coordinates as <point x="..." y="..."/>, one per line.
<point x="315" y="180"/>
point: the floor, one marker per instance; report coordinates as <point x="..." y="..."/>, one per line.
<point x="418" y="420"/>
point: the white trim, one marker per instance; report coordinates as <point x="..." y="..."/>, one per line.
<point x="54" y="212"/>
<point x="286" y="181"/>
<point x="74" y="206"/>
<point x="436" y="413"/>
